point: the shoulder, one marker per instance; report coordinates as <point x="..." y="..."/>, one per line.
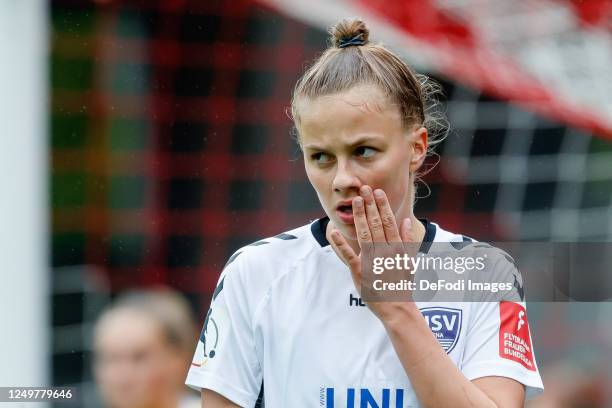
<point x="500" y="265"/>
<point x="467" y="244"/>
<point x="443" y="235"/>
<point x="251" y="272"/>
<point x="258" y="264"/>
<point x="278" y="250"/>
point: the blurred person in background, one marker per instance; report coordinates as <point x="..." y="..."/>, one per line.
<point x="142" y="348"/>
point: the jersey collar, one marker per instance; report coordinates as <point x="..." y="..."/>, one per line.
<point x="319" y="227"/>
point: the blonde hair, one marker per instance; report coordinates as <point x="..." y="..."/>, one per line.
<point x="351" y="60"/>
<point x="163" y="305"/>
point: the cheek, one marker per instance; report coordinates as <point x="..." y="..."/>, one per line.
<point x="321" y="183"/>
<point x="394" y="179"/>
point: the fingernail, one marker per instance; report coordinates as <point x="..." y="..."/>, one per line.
<point x="378" y="193"/>
<point x="365" y="190"/>
<point x="358" y="202"/>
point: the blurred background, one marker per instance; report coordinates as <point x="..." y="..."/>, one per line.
<point x="145" y="141"/>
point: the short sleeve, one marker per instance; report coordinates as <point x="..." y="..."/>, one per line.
<point x="498" y="343"/>
<point x="225" y="360"/>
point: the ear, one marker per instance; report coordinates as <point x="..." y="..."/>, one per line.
<point x="419" y="148"/>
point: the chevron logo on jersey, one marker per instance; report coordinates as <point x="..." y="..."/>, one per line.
<point x="445" y="324"/>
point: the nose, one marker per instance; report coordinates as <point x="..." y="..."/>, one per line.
<point x="345" y="179"/>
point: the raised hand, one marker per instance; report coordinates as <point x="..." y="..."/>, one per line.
<point x="375" y="223"/>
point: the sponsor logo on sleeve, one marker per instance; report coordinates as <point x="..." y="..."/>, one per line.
<point x="445" y="324"/>
<point x="216" y="326"/>
<point x="514" y="339"/>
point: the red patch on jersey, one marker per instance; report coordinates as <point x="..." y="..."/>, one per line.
<point x="514" y="340"/>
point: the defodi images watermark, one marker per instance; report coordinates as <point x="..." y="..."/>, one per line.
<point x="477" y="271"/>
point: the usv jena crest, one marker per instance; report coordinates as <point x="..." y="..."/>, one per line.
<point x="445" y="324"/>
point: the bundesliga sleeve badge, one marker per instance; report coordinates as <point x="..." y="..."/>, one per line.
<point x="514" y="339"/>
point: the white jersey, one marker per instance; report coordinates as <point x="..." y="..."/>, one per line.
<point x="287" y="327"/>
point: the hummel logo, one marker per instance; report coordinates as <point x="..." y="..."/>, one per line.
<point x="355" y="301"/>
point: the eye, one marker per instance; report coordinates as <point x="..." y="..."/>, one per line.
<point x="364" y="151"/>
<point x="321" y="158"/>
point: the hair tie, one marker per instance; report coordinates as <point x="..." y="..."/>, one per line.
<point x="355" y="40"/>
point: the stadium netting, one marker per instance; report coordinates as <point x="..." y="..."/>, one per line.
<point x="171" y="149"/>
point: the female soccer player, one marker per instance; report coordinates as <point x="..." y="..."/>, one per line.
<point x="287" y="317"/>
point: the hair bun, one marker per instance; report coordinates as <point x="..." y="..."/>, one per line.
<point x="349" y="32"/>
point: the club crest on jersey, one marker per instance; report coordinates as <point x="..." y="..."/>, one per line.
<point x="445" y="324"/>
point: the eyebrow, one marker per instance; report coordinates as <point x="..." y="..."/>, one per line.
<point x="359" y="141"/>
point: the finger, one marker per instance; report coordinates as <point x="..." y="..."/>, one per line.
<point x="345" y="251"/>
<point x="361" y="222"/>
<point x="371" y="210"/>
<point x="387" y="217"/>
<point x="407" y="232"/>
<point x="409" y="236"/>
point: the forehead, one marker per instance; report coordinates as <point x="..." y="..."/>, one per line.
<point x="357" y="111"/>
<point x="125" y="329"/>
